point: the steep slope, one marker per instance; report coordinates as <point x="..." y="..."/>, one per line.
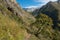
<point x="15" y="8"/>
<point x="9" y="27"/>
<point x="12" y="21"/>
<point x="43" y="28"/>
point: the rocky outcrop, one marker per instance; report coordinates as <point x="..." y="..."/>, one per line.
<point x="12" y="6"/>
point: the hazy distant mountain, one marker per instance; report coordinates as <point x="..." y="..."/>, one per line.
<point x="30" y="9"/>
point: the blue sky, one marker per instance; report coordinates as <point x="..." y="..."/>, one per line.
<point x="32" y="3"/>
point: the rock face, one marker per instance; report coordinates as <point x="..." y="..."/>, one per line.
<point x="15" y="8"/>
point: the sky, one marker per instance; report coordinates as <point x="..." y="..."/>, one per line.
<point x="32" y="3"/>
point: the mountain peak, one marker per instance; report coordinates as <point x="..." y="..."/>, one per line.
<point x="58" y="1"/>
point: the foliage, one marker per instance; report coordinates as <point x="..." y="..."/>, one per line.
<point x="42" y="27"/>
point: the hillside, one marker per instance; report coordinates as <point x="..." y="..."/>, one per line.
<point x="13" y="21"/>
<point x="9" y="27"/>
<point x="51" y="9"/>
<point x="16" y="24"/>
<point x="17" y="10"/>
<point x="43" y="28"/>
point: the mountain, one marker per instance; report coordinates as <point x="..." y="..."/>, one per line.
<point x="17" y="24"/>
<point x="29" y="9"/>
<point x="15" y="8"/>
<point x="52" y="9"/>
<point x="47" y="24"/>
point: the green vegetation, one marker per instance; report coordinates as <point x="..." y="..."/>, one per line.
<point x="10" y="29"/>
<point x="10" y="25"/>
<point x="43" y="28"/>
<point x="14" y="26"/>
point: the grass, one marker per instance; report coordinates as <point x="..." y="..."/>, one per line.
<point x="10" y="29"/>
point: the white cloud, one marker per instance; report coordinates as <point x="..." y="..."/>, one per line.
<point x="45" y="1"/>
<point x="31" y="7"/>
<point x="42" y="2"/>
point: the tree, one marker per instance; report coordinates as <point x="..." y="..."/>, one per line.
<point x="42" y="27"/>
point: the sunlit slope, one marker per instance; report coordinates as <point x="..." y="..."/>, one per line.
<point x="10" y="29"/>
<point x="17" y="10"/>
<point x="10" y="25"/>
